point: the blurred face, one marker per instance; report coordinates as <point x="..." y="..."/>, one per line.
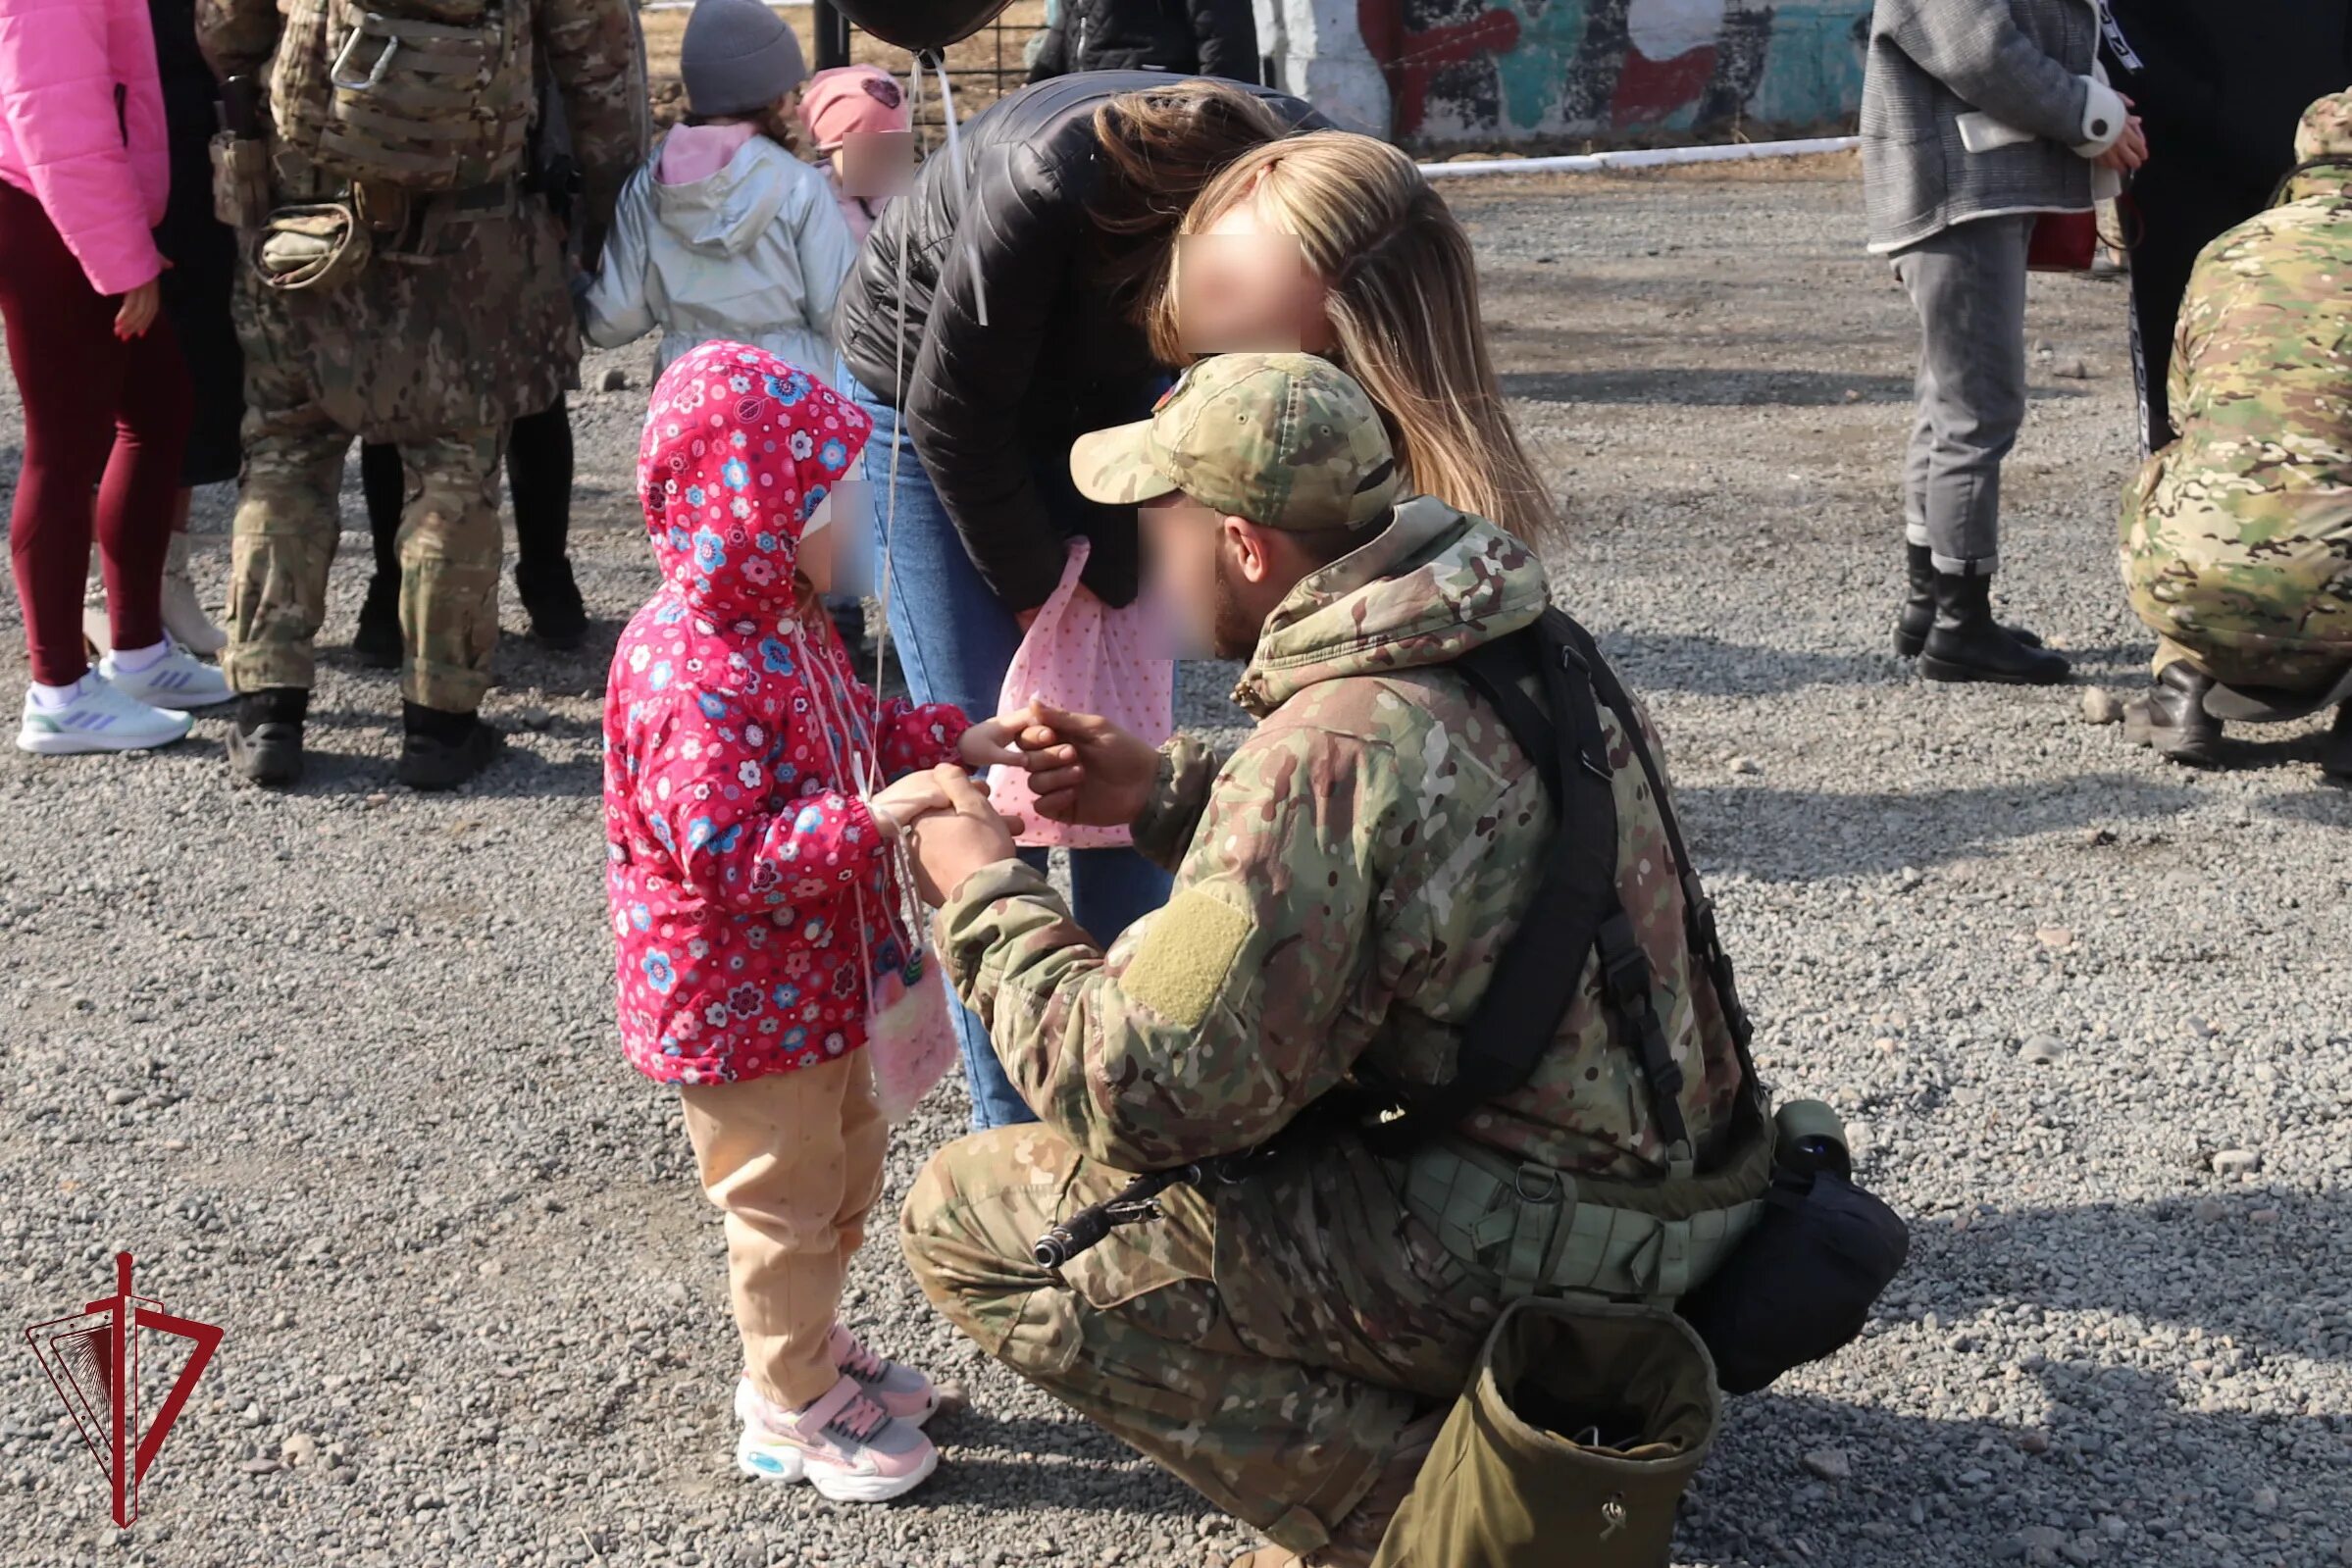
<point x="1215" y="578"/>
<point x="875" y="165"/>
<point x="1243" y="286"/>
<point x="815" y="559"/>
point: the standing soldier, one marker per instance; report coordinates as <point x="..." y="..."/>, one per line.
<point x="403" y="287"/>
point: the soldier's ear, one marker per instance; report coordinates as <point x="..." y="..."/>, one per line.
<point x="1252" y="547"/>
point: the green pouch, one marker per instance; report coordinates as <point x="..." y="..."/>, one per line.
<point x="1582" y="1425"/>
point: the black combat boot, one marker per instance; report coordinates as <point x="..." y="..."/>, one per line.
<point x="440" y="750"/>
<point x="2170" y="716"/>
<point x="2335" y="757"/>
<point x="1964" y="644"/>
<point x="551" y="599"/>
<point x="265" y="739"/>
<point x="1919" y="608"/>
<point x="378" y="642"/>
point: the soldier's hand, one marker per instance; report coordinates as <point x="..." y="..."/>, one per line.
<point x="1085" y="768"/>
<point x="949" y="845"/>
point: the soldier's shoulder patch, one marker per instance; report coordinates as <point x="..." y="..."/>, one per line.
<point x="1178" y="969"/>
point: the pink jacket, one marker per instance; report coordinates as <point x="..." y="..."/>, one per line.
<point x="747" y="878"/>
<point x="82" y="129"/>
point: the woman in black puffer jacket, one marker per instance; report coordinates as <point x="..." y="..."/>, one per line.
<point x="1028" y="262"/>
<point x="1204" y="38"/>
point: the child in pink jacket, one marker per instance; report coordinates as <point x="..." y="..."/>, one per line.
<point x="750" y="885"/>
<point x="853" y="101"/>
<point x="83" y="174"/>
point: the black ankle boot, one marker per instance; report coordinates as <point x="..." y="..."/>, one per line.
<point x="1919" y="608"/>
<point x="265" y="739"/>
<point x="1965" y="644"/>
<point x="551" y="599"/>
<point x="2335" y="757"/>
<point x="2170" y="716"/>
<point x="440" y="750"/>
<point x="378" y="642"/>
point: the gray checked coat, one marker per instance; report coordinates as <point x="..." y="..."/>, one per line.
<point x="1975" y="108"/>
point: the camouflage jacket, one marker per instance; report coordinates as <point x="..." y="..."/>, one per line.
<point x="471" y="324"/>
<point x="2237" y="537"/>
<point x="1354" y="869"/>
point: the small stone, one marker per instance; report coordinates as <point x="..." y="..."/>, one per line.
<point x="2042" y="1051"/>
<point x="1830" y="1464"/>
<point x="261" y="1467"/>
<point x="300" y="1448"/>
<point x="2101" y="706"/>
<point x="491" y="1268"/>
<point x="534" y="717"/>
<point x="2265" y="1500"/>
<point x="1746" y="766"/>
<point x="121" y="1097"/>
<point x="2237" y="1162"/>
<point x="2055" y="936"/>
<point x="2209" y="1211"/>
<point x="2263" y="1216"/>
<point x="174" y="1145"/>
<point x="615" y="379"/>
<point x="2035" y="1442"/>
<point x="2098" y="837"/>
<point x="2072" y="370"/>
<point x="2199" y="1027"/>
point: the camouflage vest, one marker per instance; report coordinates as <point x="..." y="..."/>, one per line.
<point x="414" y="95"/>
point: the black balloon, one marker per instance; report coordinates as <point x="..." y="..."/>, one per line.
<point x="920" y="24"/>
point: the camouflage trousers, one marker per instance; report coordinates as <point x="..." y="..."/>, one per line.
<point x="288" y="522"/>
<point x="2293" y="672"/>
<point x="1136" y="1336"/>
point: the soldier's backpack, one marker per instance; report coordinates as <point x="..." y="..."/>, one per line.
<point x="1593" y="1401"/>
<point x="406" y="95"/>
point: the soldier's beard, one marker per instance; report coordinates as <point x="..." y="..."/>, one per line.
<point x="1235" y="631"/>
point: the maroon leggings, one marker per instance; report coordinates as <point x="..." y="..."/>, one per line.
<point x="101" y="414"/>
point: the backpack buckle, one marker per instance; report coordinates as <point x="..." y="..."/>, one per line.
<point x="1625" y="967"/>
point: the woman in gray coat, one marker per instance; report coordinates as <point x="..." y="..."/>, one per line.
<point x="1977" y="116"/>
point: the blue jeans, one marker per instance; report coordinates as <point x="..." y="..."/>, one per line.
<point x="956" y="641"/>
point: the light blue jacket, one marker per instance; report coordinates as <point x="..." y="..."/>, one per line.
<point x="754" y="253"/>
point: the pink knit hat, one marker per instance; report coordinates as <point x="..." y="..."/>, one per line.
<point x="852" y="98"/>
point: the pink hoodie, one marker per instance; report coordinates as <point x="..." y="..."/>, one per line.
<point x="82" y="129"/>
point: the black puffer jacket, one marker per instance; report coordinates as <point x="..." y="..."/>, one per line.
<point x="1191" y="37"/>
<point x="992" y="409"/>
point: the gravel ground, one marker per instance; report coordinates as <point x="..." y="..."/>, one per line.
<point x="338" y="1065"/>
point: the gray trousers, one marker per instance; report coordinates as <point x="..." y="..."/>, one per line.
<point x="1968" y="286"/>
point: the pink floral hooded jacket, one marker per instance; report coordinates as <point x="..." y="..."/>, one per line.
<point x="748" y="883"/>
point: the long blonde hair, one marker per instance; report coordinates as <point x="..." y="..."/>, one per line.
<point x="1160" y="148"/>
<point x="1403" y="304"/>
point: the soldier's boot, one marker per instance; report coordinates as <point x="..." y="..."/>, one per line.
<point x="1919" y="606"/>
<point x="265" y="739"/>
<point x="551" y="596"/>
<point x="378" y="642"/>
<point x="2170" y="716"/>
<point x="2335" y="758"/>
<point x="1966" y="643"/>
<point x="442" y="751"/>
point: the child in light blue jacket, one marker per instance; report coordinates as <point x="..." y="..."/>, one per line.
<point x="725" y="233"/>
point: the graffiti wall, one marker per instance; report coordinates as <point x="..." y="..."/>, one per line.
<point x="1491" y="70"/>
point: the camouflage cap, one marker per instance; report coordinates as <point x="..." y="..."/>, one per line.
<point x="2327" y="128"/>
<point x="1287" y="440"/>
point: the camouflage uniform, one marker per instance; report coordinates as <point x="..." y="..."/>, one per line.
<point x="2237" y="537"/>
<point x="459" y="321"/>
<point x="1345" y="880"/>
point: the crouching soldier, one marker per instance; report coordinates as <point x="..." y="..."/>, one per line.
<point x="2237" y="537"/>
<point x="1285" y="1329"/>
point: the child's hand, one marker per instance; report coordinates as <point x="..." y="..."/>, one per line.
<point x="895" y="807"/>
<point x="990" y="743"/>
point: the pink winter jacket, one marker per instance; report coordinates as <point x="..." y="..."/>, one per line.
<point x="82" y="129"/>
<point x="748" y="881"/>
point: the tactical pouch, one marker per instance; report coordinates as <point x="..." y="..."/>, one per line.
<point x="1583" y="1423"/>
<point x="311" y="249"/>
<point x="419" y="95"/>
<point x="240" y="180"/>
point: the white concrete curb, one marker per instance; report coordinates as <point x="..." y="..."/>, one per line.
<point x="1640" y="158"/>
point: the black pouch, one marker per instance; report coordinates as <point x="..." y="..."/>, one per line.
<point x="1800" y="1286"/>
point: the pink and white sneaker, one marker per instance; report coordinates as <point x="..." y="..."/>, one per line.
<point x="907" y="1395"/>
<point x="842" y="1442"/>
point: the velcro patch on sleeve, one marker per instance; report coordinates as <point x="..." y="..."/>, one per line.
<point x="1180" y="967"/>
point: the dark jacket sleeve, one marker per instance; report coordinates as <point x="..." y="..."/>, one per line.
<point x="1227" y="32"/>
<point x="1053" y="49"/>
<point x="1020" y="234"/>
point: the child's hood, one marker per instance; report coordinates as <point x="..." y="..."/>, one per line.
<point x="717" y="190"/>
<point x="739" y="449"/>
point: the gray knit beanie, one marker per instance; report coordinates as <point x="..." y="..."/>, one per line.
<point x="739" y="56"/>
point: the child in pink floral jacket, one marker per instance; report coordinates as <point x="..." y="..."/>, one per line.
<point x="750" y="892"/>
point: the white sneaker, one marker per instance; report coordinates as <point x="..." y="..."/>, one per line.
<point x="842" y="1442"/>
<point x="171" y="679"/>
<point x="96" y="717"/>
<point x="184" y="617"/>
